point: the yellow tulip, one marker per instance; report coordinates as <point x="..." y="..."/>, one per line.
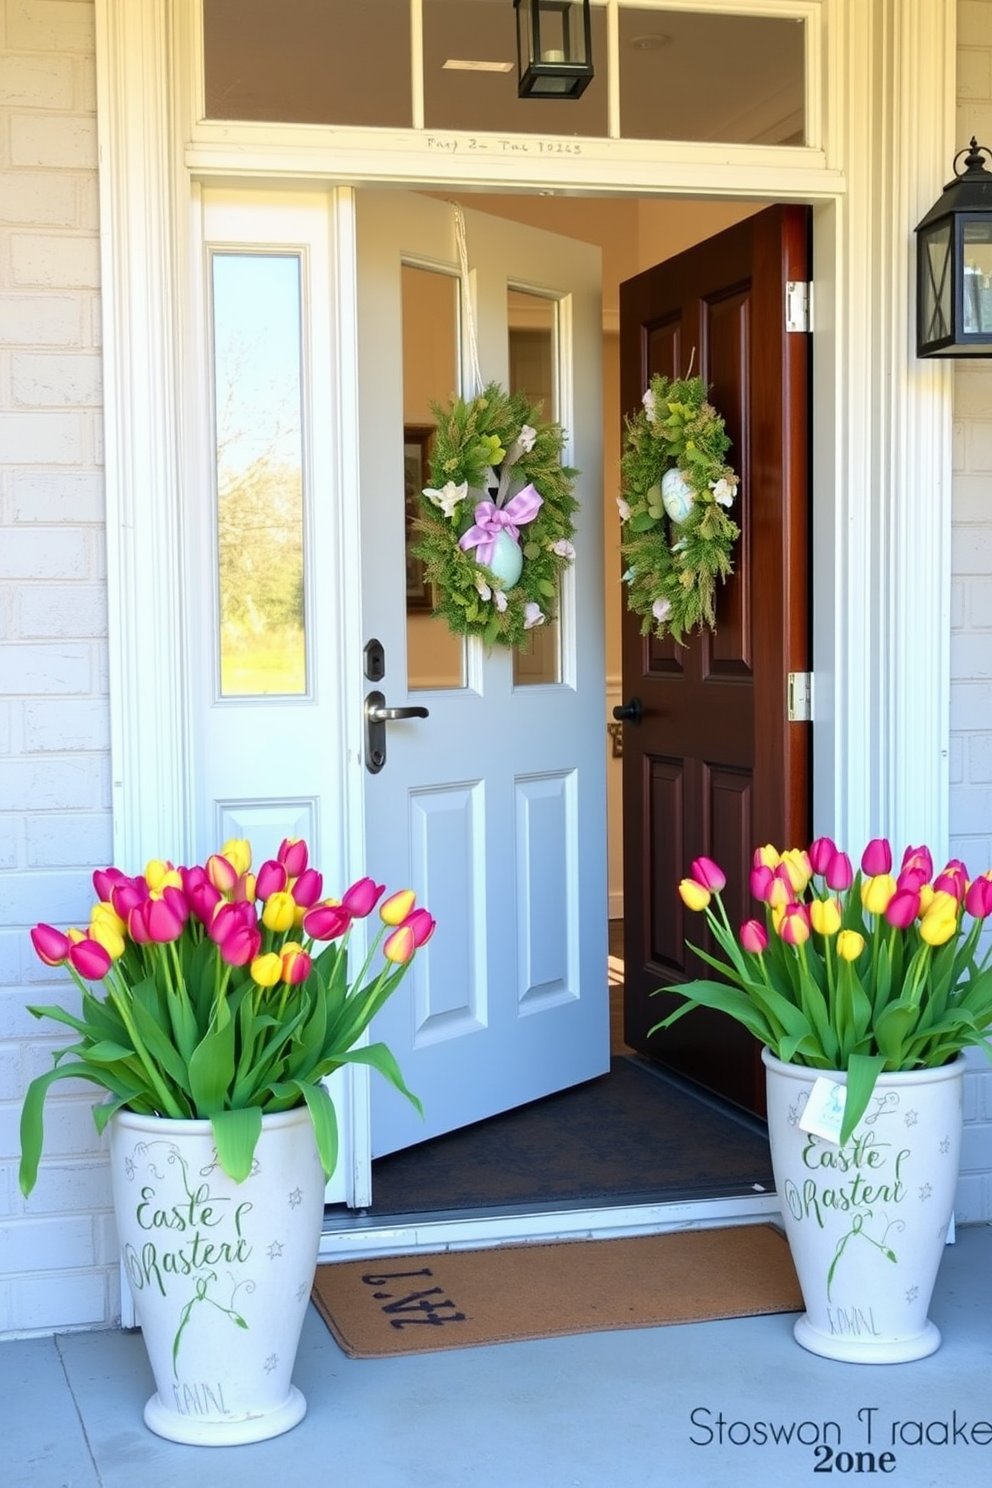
<point x="941" y="919"/>
<point x="825" y="916"/>
<point x="850" y="945"/>
<point x="766" y="857"/>
<point x="107" y="915"/>
<point x="926" y="897"/>
<point x="279" y="913"/>
<point x="106" y="934"/>
<point x="158" y="874"/>
<point x="237" y="851"/>
<point x="797" y="866"/>
<point x="694" y="896"/>
<point x="876" y="893"/>
<point x="266" y="970"/>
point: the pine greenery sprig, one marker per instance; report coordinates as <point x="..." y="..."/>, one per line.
<point x="472" y="439"/>
<point x="672" y="569"/>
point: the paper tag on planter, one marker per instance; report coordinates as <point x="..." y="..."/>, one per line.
<point x="824" y="1111"/>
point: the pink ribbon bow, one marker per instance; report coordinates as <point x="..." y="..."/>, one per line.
<point x="491" y="520"/>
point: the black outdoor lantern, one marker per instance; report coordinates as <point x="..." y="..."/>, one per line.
<point x="954" y="264"/>
<point x="554" y="48"/>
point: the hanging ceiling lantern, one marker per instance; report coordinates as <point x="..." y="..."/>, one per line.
<point x="954" y="264"/>
<point x="554" y="48"/>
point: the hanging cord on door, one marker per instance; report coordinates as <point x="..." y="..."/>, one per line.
<point x="467" y="307"/>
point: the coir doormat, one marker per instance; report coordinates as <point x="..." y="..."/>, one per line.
<point x="457" y="1299"/>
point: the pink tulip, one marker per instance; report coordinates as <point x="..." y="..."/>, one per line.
<point x="90" y="959"/>
<point x="919" y="860"/>
<point x="821" y="854"/>
<point x="877" y="857"/>
<point x="201" y="896"/>
<point x="978" y="899"/>
<point x="903" y="908"/>
<point x="422" y="923"/>
<point x="362" y="898"/>
<point x="953" y="880"/>
<point x="229" y="919"/>
<point x="241" y="946"/>
<point x="912" y="878"/>
<point x="164" y="920"/>
<point x="126" y="894"/>
<point x="308" y="888"/>
<point x="839" y="875"/>
<point x="754" y="937"/>
<point x="326" y="921"/>
<point x="709" y="874"/>
<point x="762" y="878"/>
<point x="272" y="879"/>
<point x="293" y="856"/>
<point x="137" y="924"/>
<point x="400" y="946"/>
<point x="104" y="881"/>
<point x="50" y="944"/>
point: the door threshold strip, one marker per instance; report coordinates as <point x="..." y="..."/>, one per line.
<point x="355" y="1236"/>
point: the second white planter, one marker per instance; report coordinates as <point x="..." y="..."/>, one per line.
<point x="867" y="1222"/>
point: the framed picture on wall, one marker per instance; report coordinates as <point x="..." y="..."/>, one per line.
<point x="416" y="465"/>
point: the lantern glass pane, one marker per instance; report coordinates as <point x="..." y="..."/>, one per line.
<point x="935" y="284"/>
<point x="976" y="306"/>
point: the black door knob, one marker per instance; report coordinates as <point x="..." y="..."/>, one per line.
<point x="629" y="712"/>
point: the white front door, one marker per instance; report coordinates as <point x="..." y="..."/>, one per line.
<point x="493" y="806"/>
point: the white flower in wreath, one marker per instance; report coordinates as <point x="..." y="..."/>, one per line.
<point x="448" y="498"/>
<point x="500" y="601"/>
<point x="564" y="549"/>
<point x="623" y="507"/>
<point x="724" y="491"/>
<point x="661" y="609"/>
<point x="533" y="615"/>
<point x="648" y="401"/>
<point x="526" y="438"/>
<point x="483" y="587"/>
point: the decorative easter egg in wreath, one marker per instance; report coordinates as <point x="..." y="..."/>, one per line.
<point x="676" y="495"/>
<point x="677" y="537"/>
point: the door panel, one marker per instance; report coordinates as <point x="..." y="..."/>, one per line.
<point x="714" y="766"/>
<point x="487" y="806"/>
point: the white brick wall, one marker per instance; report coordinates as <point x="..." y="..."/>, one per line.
<point x="971" y="608"/>
<point x="58" y="1248"/>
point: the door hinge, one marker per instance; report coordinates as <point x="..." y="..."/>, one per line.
<point x="799" y="697"/>
<point x="798" y="305"/>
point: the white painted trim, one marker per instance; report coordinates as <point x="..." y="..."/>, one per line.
<point x="348" y="1238"/>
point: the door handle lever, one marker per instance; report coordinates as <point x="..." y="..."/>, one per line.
<point x="377" y="715"/>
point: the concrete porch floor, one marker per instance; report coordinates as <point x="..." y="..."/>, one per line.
<point x="629" y="1409"/>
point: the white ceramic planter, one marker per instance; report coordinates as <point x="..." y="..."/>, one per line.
<point x="867" y="1223"/>
<point x="220" y="1271"/>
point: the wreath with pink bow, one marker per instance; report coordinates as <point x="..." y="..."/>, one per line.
<point x="496" y="524"/>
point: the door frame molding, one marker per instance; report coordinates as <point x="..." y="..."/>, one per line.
<point x="881" y="419"/>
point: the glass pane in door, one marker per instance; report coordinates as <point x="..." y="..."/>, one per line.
<point x="257" y="350"/>
<point x="435" y="657"/>
<point x="532" y="322"/>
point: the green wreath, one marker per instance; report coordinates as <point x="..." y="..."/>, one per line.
<point x="495" y="527"/>
<point x="677" y="539"/>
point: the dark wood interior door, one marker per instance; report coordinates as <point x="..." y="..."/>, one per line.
<point x="715" y="766"/>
